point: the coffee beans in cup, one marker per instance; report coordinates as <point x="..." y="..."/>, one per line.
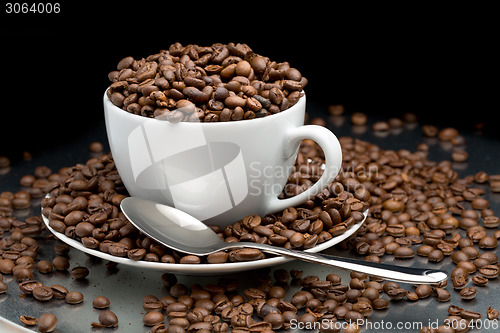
<point x="220" y="82"/>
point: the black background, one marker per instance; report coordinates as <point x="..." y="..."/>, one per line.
<point x="381" y="61"/>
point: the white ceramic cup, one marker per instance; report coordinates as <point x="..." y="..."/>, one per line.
<point x="217" y="172"/>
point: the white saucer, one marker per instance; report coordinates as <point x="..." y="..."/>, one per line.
<point x="201" y="269"/>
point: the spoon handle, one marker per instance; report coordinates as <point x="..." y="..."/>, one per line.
<point x="385" y="271"/>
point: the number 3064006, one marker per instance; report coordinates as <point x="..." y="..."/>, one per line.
<point x="32" y="8"/>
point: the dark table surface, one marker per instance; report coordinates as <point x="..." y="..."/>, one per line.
<point x="126" y="286"/>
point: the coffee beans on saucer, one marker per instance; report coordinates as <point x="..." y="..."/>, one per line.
<point x="220" y="82"/>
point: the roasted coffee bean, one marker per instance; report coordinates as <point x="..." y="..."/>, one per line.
<point x="108" y="318"/>
<point x="435" y="256"/>
<point x="480" y="280"/>
<point x="442" y="294"/>
<point x="380" y="303"/>
<point x="492" y="314"/>
<point x="47" y="323"/>
<point x="458" y="256"/>
<point x="423" y="290"/>
<point x="468" y="293"/>
<point x="404" y="253"/>
<point x="245" y="255"/>
<point x="100" y="302"/>
<point x="489" y="271"/>
<point x="396" y="294"/>
<point x="488" y="242"/>
<point x="424" y="250"/>
<point x="153" y="318"/>
<point x="74" y="297"/>
<point x="60" y="263"/>
<point x="44" y="266"/>
<point x="467" y="265"/>
<point x="459" y="155"/>
<point x="27" y="287"/>
<point x="358" y="118"/>
<point x="6" y="266"/>
<point x="28" y="320"/>
<point x="467" y="314"/>
<point x="43" y="293"/>
<point x="459" y="281"/>
<point x="79" y="272"/>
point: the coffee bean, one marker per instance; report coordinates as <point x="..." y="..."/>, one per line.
<point x="74" y="297"/>
<point x="60" y="263"/>
<point x="459" y="256"/>
<point x="423" y="290"/>
<point x="468" y="293"/>
<point x="492" y="314"/>
<point x="404" y="253"/>
<point x="153" y="318"/>
<point x="108" y="318"/>
<point x="435" y="256"/>
<point x="491" y="221"/>
<point x="245" y="255"/>
<point x="488" y="242"/>
<point x="489" y="271"/>
<point x="380" y="126"/>
<point x="79" y="272"/>
<point x="380" y="304"/>
<point x="459" y="155"/>
<point x="396" y="294"/>
<point x="467" y="314"/>
<point x="100" y="302"/>
<point x="358" y="118"/>
<point x="47" y="323"/>
<point x="442" y="294"/>
<point x="480" y="280"/>
<point x="351" y="328"/>
<point x="28" y="320"/>
<point x="447" y="134"/>
<point x="43" y="293"/>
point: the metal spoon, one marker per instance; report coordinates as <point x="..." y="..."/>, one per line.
<point x="182" y="232"/>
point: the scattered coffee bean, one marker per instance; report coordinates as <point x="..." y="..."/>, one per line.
<point x="359" y="119"/>
<point x="480" y="280"/>
<point x="489" y="271"/>
<point x="108" y="318"/>
<point x="468" y="293"/>
<point x="96" y="147"/>
<point x="79" y="272"/>
<point x="28" y="320"/>
<point x="404" y="253"/>
<point x="74" y="297"/>
<point x="100" y="302"/>
<point x="492" y="314"/>
<point x="47" y="323"/>
<point x="423" y="290"/>
<point x="59" y="291"/>
<point x="435" y="256"/>
<point x="60" y="263"/>
<point x="442" y="294"/>
<point x="153" y="318"/>
<point x="43" y="293"/>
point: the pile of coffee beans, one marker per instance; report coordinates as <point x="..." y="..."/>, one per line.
<point x="221" y="82"/>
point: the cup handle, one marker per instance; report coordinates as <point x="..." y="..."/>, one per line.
<point x="333" y="162"/>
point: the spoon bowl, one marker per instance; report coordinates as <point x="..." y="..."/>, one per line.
<point x="182" y="232"/>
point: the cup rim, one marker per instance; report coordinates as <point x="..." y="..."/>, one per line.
<point x="218" y="123"/>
